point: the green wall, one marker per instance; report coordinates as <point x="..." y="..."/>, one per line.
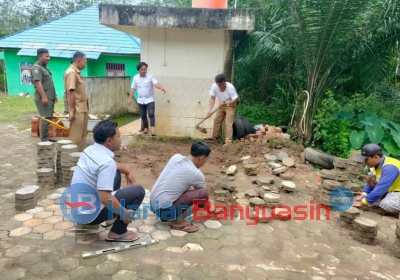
<point x="95" y="68"/>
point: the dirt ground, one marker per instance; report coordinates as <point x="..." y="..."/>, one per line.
<point x="148" y="158"/>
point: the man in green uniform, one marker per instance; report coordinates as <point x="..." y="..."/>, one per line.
<point x="45" y="93"/>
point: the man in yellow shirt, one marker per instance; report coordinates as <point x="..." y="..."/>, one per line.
<point x="383" y="180"/>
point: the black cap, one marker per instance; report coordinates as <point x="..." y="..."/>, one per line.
<point x="369" y="150"/>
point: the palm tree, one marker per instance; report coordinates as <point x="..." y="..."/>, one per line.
<point x="317" y="43"/>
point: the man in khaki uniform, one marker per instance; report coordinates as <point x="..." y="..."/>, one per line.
<point x="77" y="100"/>
<point x="45" y="93"/>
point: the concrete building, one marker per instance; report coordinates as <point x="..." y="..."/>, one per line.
<point x="185" y="48"/>
<point x="109" y="52"/>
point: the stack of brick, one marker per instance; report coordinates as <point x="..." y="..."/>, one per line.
<point x="346" y="174"/>
<point x="45" y="155"/>
<point x="69" y="158"/>
<point x="26" y="197"/>
<point x="365" y="230"/>
<point x="267" y="133"/>
<point x="59" y="144"/>
<point x="35" y="127"/>
<point x="46" y="178"/>
<point x="82" y="237"/>
<point x="346" y="219"/>
<point x="396" y="245"/>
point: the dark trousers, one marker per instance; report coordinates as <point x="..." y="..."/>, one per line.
<point x="150" y="110"/>
<point x="44" y="111"/>
<point x="132" y="195"/>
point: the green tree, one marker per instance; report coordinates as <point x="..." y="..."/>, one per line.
<point x="311" y="46"/>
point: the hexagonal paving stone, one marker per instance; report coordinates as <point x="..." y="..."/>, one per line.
<point x="32" y="222"/>
<point x="23" y="217"/>
<point x="176" y="241"/>
<point x="53" y="220"/>
<point x="149" y="271"/>
<point x="212" y="234"/>
<point x="161" y="234"/>
<point x="63" y="225"/>
<point x="290" y="256"/>
<point x="282" y="234"/>
<point x="52" y="207"/>
<point x="228" y="230"/>
<point x="35" y="210"/>
<point x="146" y="229"/>
<point x="179" y="233"/>
<point x="17" y="251"/>
<point x="192" y="247"/>
<point x="322" y="248"/>
<point x="228" y="240"/>
<point x="195" y="237"/>
<point x="20" y="231"/>
<point x="16" y="273"/>
<point x="248" y="231"/>
<point x="43" y="215"/>
<point x="124" y="275"/>
<point x="53" y="234"/>
<point x="108" y="268"/>
<point x="53" y="196"/>
<point x="42" y="228"/>
<point x="58" y="213"/>
<point x="212" y="224"/>
<point x="41" y="269"/>
<point x="177" y="250"/>
<point x="329" y="260"/>
<point x="162" y="225"/>
<point x="210" y="244"/>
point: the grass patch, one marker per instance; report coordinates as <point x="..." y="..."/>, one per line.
<point x="123" y="120"/>
<point x="19" y="110"/>
<point x="138" y="143"/>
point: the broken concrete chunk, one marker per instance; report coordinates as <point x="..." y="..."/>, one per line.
<point x="282" y="214"/>
<point x="272" y="198"/>
<point x="289" y="162"/>
<point x="365" y="225"/>
<point x="255" y="201"/>
<point x="263" y="216"/>
<point x="281" y="155"/>
<point x="287" y="176"/>
<point x="219" y="193"/>
<point x="232" y="170"/>
<point x="331" y="184"/>
<point x="270" y="158"/>
<point x="251" y="193"/>
<point x="264" y="179"/>
<point x="227" y="186"/>
<point x="351" y="213"/>
<point x="279" y="170"/>
<point x="288" y="186"/>
<point x="274" y="165"/>
<point x="251" y="169"/>
<point x="247" y="160"/>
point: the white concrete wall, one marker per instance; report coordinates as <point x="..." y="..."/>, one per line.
<point x="185" y="62"/>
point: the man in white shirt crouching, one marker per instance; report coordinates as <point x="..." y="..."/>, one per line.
<point x="97" y="168"/>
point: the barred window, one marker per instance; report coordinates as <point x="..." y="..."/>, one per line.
<point x="115" y="69"/>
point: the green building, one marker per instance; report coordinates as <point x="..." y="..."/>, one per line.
<point x="109" y="52"/>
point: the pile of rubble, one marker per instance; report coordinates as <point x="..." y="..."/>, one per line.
<point x="271" y="177"/>
<point x="265" y="133"/>
<point x="347" y="173"/>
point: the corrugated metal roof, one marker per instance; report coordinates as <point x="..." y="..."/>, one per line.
<point x="80" y="30"/>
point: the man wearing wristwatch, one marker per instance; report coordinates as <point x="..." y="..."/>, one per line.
<point x="228" y="98"/>
<point x="383" y="180"/>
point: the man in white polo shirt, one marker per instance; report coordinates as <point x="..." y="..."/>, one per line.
<point x="144" y="82"/>
<point x="228" y="97"/>
<point x="97" y="168"/>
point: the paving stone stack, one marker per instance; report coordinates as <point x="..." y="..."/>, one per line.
<point x="26" y="197"/>
<point x="45" y="155"/>
<point x="346" y="219"/>
<point x="68" y="161"/>
<point x="272" y="200"/>
<point x="59" y="144"/>
<point x="396" y="245"/>
<point x="346" y="173"/>
<point x="45" y="178"/>
<point x="86" y="237"/>
<point x="365" y="230"/>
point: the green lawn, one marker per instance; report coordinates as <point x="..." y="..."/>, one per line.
<point x="19" y="110"/>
